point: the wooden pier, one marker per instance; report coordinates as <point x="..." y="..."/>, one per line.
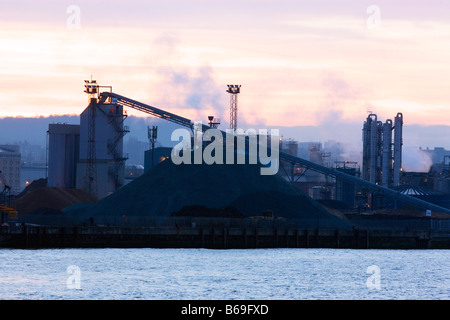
<point x="35" y="237"/>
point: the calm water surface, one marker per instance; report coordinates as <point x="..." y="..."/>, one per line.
<point x="267" y="274"/>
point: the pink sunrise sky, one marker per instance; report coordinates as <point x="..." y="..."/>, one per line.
<point x="299" y="62"/>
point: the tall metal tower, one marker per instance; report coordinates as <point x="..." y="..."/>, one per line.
<point x="91" y="174"/>
<point x="233" y="90"/>
<point x="152" y="135"/>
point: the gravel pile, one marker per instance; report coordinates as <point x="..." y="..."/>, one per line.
<point x="49" y="200"/>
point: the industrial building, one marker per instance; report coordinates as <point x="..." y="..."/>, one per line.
<point x="315" y="184"/>
<point x="63" y="154"/>
<point x="101" y="165"/>
<point x="346" y="192"/>
<point x="382" y="151"/>
<point x="10" y="168"/>
<point x="434" y="178"/>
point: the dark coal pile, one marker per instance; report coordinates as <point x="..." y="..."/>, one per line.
<point x="202" y="211"/>
<point x="167" y="188"/>
<point x="339" y="205"/>
<point x="280" y="204"/>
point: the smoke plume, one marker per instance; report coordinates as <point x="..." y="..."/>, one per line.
<point x="415" y="160"/>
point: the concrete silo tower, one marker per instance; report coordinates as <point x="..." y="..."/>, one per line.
<point x="101" y="168"/>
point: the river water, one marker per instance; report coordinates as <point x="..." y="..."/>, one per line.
<point x="192" y="274"/>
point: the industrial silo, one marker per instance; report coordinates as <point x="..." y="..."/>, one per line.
<point x="63" y="154"/>
<point x="101" y="168"/>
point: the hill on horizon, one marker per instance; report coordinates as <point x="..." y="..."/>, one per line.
<point x="33" y="130"/>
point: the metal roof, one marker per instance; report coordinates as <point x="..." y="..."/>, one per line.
<point x="412" y="190"/>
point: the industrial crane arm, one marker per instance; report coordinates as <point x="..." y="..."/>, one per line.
<point x="146" y="108"/>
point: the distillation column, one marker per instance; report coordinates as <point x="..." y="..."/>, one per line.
<point x="387" y="154"/>
<point x="373" y="149"/>
<point x="233" y="90"/>
<point x="398" y="142"/>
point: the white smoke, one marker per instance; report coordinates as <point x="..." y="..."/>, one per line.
<point x="416" y="160"/>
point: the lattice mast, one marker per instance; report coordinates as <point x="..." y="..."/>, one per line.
<point x="233" y="90"/>
<point x="152" y="136"/>
<point x="91" y="172"/>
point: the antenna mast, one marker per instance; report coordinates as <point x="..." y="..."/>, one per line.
<point x="233" y="90"/>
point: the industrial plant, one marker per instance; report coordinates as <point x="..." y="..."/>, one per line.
<point x="315" y="186"/>
<point x="382" y="151"/>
